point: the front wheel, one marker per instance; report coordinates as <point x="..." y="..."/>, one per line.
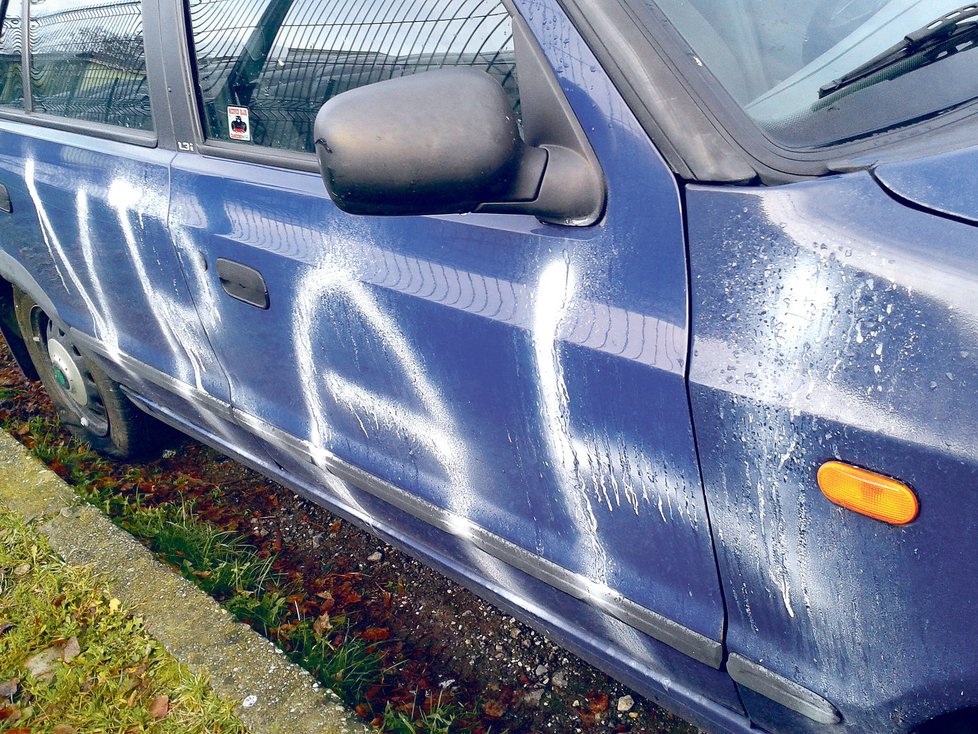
<point x="88" y="401"/>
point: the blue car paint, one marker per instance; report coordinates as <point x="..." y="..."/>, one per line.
<point x="832" y="322"/>
<point x="543" y="369"/>
<point x="944" y="183"/>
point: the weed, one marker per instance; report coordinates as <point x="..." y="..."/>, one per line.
<point x="349" y="667"/>
<point x="435" y="718"/>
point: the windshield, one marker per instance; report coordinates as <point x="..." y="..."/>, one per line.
<point x="772" y="57"/>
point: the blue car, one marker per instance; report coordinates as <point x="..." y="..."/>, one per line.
<point x="653" y="322"/>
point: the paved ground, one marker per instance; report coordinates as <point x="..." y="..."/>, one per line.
<point x="272" y="695"/>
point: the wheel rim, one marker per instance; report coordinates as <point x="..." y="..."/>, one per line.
<point x="72" y="379"/>
<point x="66" y="372"/>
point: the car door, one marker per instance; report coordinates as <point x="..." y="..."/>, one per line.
<point x="85" y="177"/>
<point x="88" y="188"/>
<point x="520" y="385"/>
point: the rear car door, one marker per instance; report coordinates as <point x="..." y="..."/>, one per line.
<point x="519" y="385"/>
<point x="88" y="187"/>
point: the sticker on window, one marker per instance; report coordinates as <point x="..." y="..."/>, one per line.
<point x="239" y="127"/>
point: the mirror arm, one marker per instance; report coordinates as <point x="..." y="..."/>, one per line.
<point x="555" y="184"/>
<point x="529" y="175"/>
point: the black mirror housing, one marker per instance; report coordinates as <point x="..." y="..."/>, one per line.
<point x="440" y="142"/>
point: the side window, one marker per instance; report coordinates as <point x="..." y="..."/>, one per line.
<point x="87" y="61"/>
<point x="11" y="45"/>
<point x="265" y="68"/>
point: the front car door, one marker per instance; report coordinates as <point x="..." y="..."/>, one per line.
<point x="520" y="386"/>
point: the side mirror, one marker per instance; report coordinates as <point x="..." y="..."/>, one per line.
<point x="441" y="142"/>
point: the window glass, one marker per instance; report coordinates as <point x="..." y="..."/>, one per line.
<point x="87" y="61"/>
<point x="266" y="66"/>
<point x="786" y="63"/>
<point x="11" y="44"/>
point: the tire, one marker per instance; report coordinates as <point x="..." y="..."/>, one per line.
<point x="90" y="404"/>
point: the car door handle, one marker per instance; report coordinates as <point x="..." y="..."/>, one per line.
<point x="242" y="283"/>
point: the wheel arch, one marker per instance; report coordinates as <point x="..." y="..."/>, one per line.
<point x="14" y="275"/>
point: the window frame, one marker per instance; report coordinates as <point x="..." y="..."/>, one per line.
<point x="105" y="131"/>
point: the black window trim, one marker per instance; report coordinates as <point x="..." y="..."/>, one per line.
<point x="700" y="129"/>
<point x="115" y="133"/>
<point x="276" y="157"/>
<point x="105" y="131"/>
<point x="25" y="54"/>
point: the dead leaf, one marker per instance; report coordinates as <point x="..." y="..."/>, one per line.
<point x="376" y="634"/>
<point x="328" y="601"/>
<point x="352" y="597"/>
<point x="598" y="703"/>
<point x="8" y="688"/>
<point x="42" y="664"/>
<point x="494" y="709"/>
<point x="64" y="729"/>
<point x="22" y="570"/>
<point x="71" y="650"/>
<point x="9" y="713"/>
<point x="160" y="707"/>
<point x="322" y="624"/>
<point x="23" y="430"/>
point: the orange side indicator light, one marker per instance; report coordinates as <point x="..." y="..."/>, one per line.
<point x="868" y="493"/>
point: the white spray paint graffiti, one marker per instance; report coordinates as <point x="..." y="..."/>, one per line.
<point x="616" y="470"/>
<point x="550" y="312"/>
<point x="51" y="239"/>
<point x="385" y="413"/>
<point x="332" y="279"/>
<point x="554" y="289"/>
<point x="128" y="200"/>
<point x="105" y="327"/>
<point x="178" y="322"/>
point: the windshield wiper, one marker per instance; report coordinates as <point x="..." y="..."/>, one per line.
<point x="956" y="31"/>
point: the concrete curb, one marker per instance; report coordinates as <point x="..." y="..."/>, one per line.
<point x="271" y="695"/>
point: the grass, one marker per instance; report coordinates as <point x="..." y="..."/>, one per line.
<point x="349" y="668"/>
<point x="74" y="661"/>
<point x="436" y="718"/>
<point x="220" y="562"/>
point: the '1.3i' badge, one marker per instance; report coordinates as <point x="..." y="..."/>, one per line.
<point x="239" y="127"/>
